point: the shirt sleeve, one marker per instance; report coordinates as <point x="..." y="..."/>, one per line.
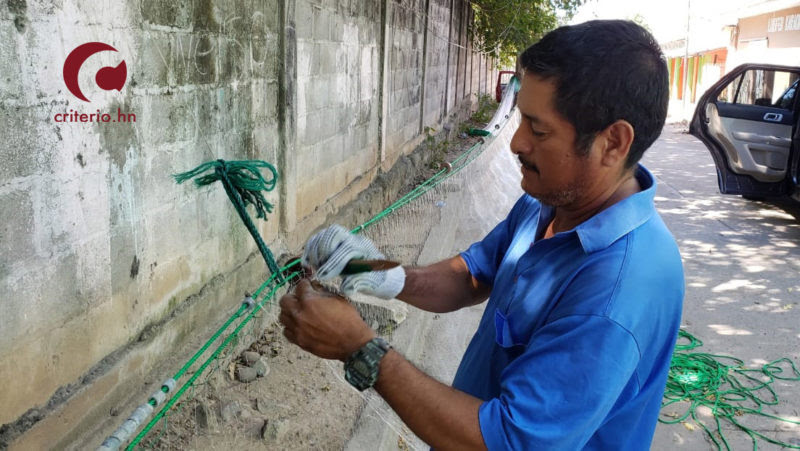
<point x="560" y="390"/>
<point x="484" y="257"/>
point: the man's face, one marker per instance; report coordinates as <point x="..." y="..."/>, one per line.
<point x="552" y="169"/>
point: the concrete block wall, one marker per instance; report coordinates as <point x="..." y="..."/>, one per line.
<point x="457" y="61"/>
<point x="338" y="108"/>
<point x="97" y="240"/>
<point x="436" y="64"/>
<point x="99" y="247"/>
<point x="405" y="43"/>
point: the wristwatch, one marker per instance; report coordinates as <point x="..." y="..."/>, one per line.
<point x="361" y="368"/>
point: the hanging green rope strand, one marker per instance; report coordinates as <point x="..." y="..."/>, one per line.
<point x="726" y="388"/>
<point x="244" y="184"/>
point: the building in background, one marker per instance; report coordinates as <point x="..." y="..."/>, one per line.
<point x="765" y="32"/>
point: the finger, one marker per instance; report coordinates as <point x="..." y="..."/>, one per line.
<point x="351" y="284"/>
<point x="304" y="289"/>
<point x="310" y="252"/>
<point x="286" y="319"/>
<point x="288" y="302"/>
<point x="330" y="240"/>
<point x="335" y="264"/>
<point x="290" y="335"/>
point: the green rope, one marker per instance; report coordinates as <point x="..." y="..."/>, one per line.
<point x="244" y="184"/>
<point x="723" y="385"/>
<point x="457" y="165"/>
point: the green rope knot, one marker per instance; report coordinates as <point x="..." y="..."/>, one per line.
<point x="244" y="184"/>
<point x="245" y="176"/>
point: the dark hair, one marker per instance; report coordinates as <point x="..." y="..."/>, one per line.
<point x="605" y="70"/>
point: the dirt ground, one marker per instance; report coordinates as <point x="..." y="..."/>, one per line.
<point x="271" y="412"/>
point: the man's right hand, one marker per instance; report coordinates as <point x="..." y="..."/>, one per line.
<point x="329" y="251"/>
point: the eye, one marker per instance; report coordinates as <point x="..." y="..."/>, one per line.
<point x="537" y="133"/>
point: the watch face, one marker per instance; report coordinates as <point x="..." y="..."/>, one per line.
<point x="361" y="368"/>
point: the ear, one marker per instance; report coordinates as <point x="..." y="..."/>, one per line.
<point x="615" y="143"/>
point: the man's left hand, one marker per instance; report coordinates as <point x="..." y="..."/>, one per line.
<point x="323" y="324"/>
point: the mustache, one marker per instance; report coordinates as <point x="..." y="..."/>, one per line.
<point x="525" y="163"/>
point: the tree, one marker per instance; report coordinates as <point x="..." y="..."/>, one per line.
<point x="504" y="28"/>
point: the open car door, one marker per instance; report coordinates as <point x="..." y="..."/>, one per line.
<point x="747" y="121"/>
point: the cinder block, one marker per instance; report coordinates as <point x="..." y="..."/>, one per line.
<point x="315" y="93"/>
<point x="265" y="102"/>
<point x="60" y="280"/>
<point x="167" y="13"/>
<point x="42" y="78"/>
<point x="236" y="18"/>
<point x="153" y="59"/>
<point x="263" y="58"/>
<point x="168" y="118"/>
<point x="328" y="60"/>
<point x="10" y="78"/>
<point x="242" y="109"/>
<point x="329" y="153"/>
<point x="16" y="230"/>
<point x="208" y="117"/>
<point x="271" y="10"/>
<point x="304" y="21"/>
<point x="315" y="66"/>
<point x="177" y="233"/>
<point x="266" y="142"/>
<point x="206" y="15"/>
<point x="322" y="25"/>
<point x="305" y="51"/>
<point x="194" y="58"/>
<point x="25" y="148"/>
<point x="319" y="126"/>
<point x="234" y="56"/>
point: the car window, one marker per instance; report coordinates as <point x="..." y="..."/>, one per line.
<point x="729" y="92"/>
<point x="786" y="101"/>
<point x="763" y="88"/>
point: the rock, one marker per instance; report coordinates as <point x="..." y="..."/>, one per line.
<point x="261" y="367"/>
<point x="203" y="417"/>
<point x="245" y="414"/>
<point x="268" y="406"/>
<point x="230" y="411"/>
<point x="255" y="427"/>
<point x="250" y="357"/>
<point x="246" y="374"/>
<point x="274" y="429"/>
<point x="262" y="405"/>
<point x="382" y="315"/>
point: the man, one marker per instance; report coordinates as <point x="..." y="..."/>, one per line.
<point x="584" y="280"/>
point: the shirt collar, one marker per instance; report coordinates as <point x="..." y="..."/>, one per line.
<point x="616" y="221"/>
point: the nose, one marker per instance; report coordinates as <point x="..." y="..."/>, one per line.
<point x="519" y="142"/>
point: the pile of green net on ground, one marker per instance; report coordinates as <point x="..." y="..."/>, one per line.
<point x="720" y="387"/>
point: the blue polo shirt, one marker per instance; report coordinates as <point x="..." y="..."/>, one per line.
<point x="574" y="347"/>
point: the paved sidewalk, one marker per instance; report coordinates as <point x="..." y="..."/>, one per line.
<point x="742" y="264"/>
